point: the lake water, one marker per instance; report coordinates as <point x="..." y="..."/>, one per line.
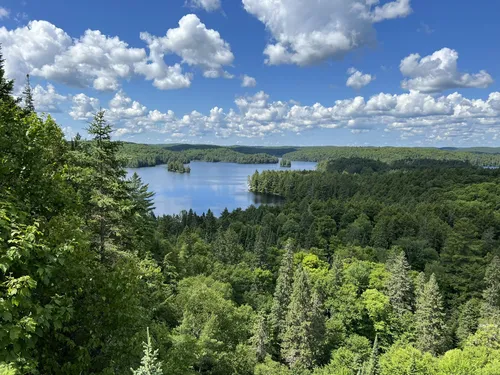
<point x="214" y="186"/>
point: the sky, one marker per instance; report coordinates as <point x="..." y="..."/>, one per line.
<point x="263" y="72"/>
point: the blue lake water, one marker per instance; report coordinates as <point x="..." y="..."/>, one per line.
<point x="214" y="186"/>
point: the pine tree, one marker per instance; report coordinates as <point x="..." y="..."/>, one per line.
<point x="6" y="85"/>
<point x="429" y="318"/>
<point x="297" y="348"/>
<point x="282" y="295"/>
<point x="29" y="105"/>
<point x="149" y="362"/>
<point x="399" y="286"/>
<point x="259" y="339"/>
<point x="490" y="312"/>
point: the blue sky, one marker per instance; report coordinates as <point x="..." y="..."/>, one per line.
<point x="300" y="53"/>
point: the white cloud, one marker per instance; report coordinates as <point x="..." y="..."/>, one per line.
<point x="439" y="72"/>
<point x="248" y="81"/>
<point x="308" y="32"/>
<point x="31" y="47"/>
<point x="412" y="114"/>
<point x="84" y="107"/>
<point x="357" y="79"/>
<point x="208" y="5"/>
<point x="47" y="100"/>
<point x="94" y="59"/>
<point x="4" y="13"/>
<point x="102" y="62"/>
<point x="195" y="44"/>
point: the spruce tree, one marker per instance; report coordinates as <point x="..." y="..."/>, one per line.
<point x="282" y="295"/>
<point x="259" y="339"/>
<point x="371" y="367"/>
<point x="149" y="362"/>
<point x="490" y="312"/>
<point x="318" y="324"/>
<point x="29" y="105"/>
<point x="108" y="189"/>
<point x="399" y="286"/>
<point x="429" y="319"/>
<point x="297" y="349"/>
<point x="6" y="85"/>
<point x="468" y="319"/>
<point x="260" y="250"/>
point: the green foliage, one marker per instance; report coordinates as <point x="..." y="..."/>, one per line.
<point x="282" y="296"/>
<point x="285" y="163"/>
<point x="429" y="319"/>
<point x="177" y="166"/>
<point x="297" y="348"/>
<point x="491" y="306"/>
<point x="149" y="362"/>
<point x="330" y="282"/>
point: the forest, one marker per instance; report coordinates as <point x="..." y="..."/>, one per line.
<point x="140" y="155"/>
<point x="137" y="155"/>
<point x="372" y="266"/>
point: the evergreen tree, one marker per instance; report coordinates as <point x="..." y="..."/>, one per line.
<point x="259" y="339"/>
<point x="29" y="105"/>
<point x="468" y="320"/>
<point x="260" y="250"/>
<point x="149" y="362"/>
<point x="317" y="325"/>
<point x="419" y="285"/>
<point x="399" y="286"/>
<point x="429" y="319"/>
<point x="6" y="85"/>
<point x="108" y="191"/>
<point x="282" y="295"/>
<point x="372" y="368"/>
<point x="297" y="349"/>
<point x="491" y="306"/>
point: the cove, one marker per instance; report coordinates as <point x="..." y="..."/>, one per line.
<point x="213" y="186"/>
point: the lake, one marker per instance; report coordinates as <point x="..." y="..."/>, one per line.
<point x="214" y="186"/>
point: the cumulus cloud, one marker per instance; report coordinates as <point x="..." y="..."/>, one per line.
<point x="248" y="81"/>
<point x="439" y="72"/>
<point x="84" y="107"/>
<point x="102" y="62"/>
<point x="31" y="47"/>
<point x="308" y="32"/>
<point x="413" y="114"/>
<point x="208" y="5"/>
<point x="196" y="45"/>
<point x="4" y="13"/>
<point x="357" y="79"/>
<point x="47" y="99"/>
<point x="154" y="68"/>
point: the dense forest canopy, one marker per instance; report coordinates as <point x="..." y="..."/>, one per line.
<point x="373" y="265"/>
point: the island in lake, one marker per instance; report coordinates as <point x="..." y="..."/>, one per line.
<point x="285" y="163"/>
<point x="178" y="167"/>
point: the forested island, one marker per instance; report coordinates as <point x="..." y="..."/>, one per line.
<point x="387" y="266"/>
<point x="178" y="167"/>
<point x="285" y="163"/>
